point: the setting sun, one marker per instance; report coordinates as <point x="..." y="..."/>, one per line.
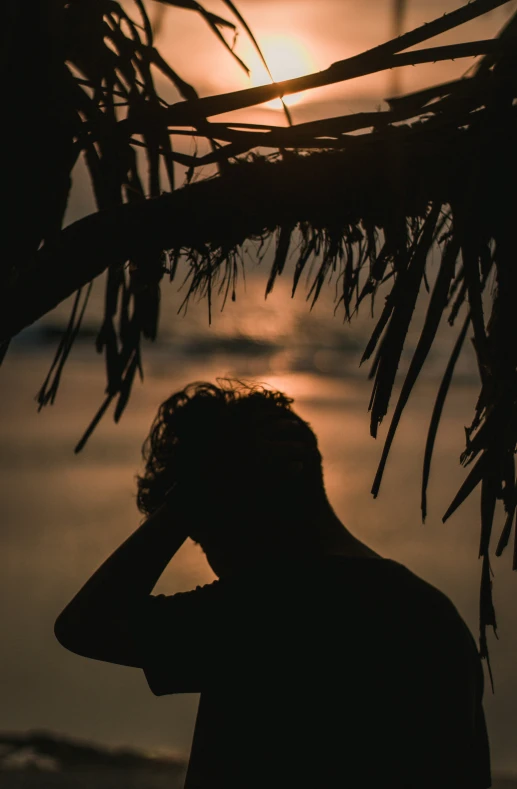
<point x="287" y="58"/>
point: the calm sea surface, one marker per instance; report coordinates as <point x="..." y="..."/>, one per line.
<point x="63" y="514"/>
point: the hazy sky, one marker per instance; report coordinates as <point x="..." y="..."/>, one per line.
<point x="297" y="37"/>
<point x="63" y="515"/>
<point x="327" y="30"/>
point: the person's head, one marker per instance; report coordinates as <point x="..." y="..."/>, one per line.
<point x="248" y="467"/>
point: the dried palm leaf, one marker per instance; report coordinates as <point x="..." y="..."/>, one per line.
<point x="438" y="167"/>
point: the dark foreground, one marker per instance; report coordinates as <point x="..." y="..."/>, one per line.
<point x="38" y="760"/>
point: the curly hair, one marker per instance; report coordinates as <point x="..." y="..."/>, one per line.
<point x="203" y="430"/>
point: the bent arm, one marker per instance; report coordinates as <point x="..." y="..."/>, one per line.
<point x="99" y="621"/>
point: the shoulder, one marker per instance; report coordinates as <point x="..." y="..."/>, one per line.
<point x="436" y="622"/>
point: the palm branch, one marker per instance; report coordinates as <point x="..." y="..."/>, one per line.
<point x="369" y="193"/>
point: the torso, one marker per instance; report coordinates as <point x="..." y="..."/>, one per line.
<point x="307" y="659"/>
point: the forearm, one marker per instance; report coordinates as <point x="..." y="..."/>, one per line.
<point x="122" y="581"/>
<point x="134" y="568"/>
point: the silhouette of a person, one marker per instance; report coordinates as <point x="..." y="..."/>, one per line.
<point x="320" y="663"/>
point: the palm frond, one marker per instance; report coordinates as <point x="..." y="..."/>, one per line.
<point x="437" y="167"/>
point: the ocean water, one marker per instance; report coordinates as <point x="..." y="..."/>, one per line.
<point x="64" y="513"/>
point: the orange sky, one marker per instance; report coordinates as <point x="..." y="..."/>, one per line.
<point x="326" y="31"/>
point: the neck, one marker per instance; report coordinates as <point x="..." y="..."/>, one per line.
<point x="321" y="531"/>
